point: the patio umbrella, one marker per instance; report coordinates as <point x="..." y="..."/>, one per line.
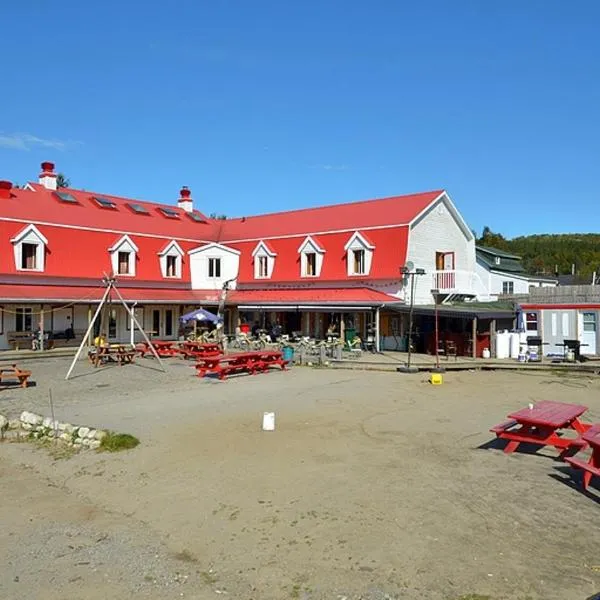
<point x="520" y="319"/>
<point x="201" y="314"/>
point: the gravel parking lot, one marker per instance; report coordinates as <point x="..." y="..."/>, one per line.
<point x="373" y="485"/>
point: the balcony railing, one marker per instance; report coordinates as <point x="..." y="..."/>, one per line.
<point x="466" y="283"/>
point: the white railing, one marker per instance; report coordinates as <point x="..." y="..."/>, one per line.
<point x="459" y="282"/>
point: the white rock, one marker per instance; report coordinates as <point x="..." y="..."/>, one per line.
<point x="68" y="428"/>
<point x="48" y="422"/>
<point x="64" y="426"/>
<point x="82" y="432"/>
<point x="86" y="442"/>
<point x="77" y="441"/>
<point x="3" y="423"/>
<point x="65" y="436"/>
<point x="91" y="434"/>
<point x="100" y="434"/>
<point x="94" y="444"/>
<point x="27" y="426"/>
<point x="31" y="418"/>
<point x="14" y="424"/>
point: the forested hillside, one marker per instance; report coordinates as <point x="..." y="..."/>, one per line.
<point x="546" y="253"/>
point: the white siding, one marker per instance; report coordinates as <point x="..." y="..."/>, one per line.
<point x="230" y="261"/>
<point x="493" y="281"/>
<point x="438" y="231"/>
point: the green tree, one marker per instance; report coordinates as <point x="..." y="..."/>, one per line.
<point x="217" y="217"/>
<point x="62" y="181"/>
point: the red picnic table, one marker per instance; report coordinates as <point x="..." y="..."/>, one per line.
<point x="540" y="425"/>
<point x="164" y="348"/>
<point x="199" y="349"/>
<point x="242" y="362"/>
<point x="592" y="466"/>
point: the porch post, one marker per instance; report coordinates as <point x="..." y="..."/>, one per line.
<point x="132" y="325"/>
<point x="377" y="329"/>
<point x="90" y="337"/>
<point x="493" y="338"/>
<point x="41" y="327"/>
<point x="474" y="337"/>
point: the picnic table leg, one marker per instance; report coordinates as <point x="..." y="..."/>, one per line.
<point x="511" y="446"/>
<point x="580" y="427"/>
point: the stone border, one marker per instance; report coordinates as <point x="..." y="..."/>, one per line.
<point x="32" y="426"/>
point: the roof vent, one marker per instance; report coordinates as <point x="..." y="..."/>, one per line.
<point x="185" y="201"/>
<point x="48" y="176"/>
<point x="5" y="187"/>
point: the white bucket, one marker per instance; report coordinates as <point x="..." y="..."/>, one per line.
<point x="268" y="421"/>
<point x="522" y="358"/>
<point x="486" y="353"/>
<point x="533" y="355"/>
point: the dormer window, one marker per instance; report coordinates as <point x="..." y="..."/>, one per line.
<point x="311" y="257"/>
<point x="171" y="259"/>
<point x="214" y="268"/>
<point x="123" y="256"/>
<point x="29" y="249"/>
<point x="264" y="261"/>
<point x="359" y="254"/>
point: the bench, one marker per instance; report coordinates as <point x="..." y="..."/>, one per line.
<point x="20" y="339"/>
<point x="502" y="427"/>
<point x="588" y="469"/>
<point x="14" y="373"/>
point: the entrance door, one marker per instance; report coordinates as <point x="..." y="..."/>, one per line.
<point x="589" y="333"/>
<point x="156" y="322"/>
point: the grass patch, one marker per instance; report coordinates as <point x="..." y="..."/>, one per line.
<point x="186" y="556"/>
<point x="208" y="577"/>
<point x="115" y="442"/>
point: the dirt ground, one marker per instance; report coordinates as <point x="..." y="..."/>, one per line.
<point x="374" y="485"/>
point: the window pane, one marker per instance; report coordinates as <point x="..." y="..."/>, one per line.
<point x="168" y="322"/>
<point x="28" y="256"/>
<point x="217" y="267"/>
<point x="112" y="323"/>
<point x="123" y="263"/>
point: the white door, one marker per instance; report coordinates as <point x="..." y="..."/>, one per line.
<point x="589" y="333"/>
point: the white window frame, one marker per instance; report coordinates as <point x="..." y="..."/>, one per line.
<point x="172" y="249"/>
<point x="262" y="251"/>
<point x="123" y="244"/>
<point x="209" y="258"/>
<point x="30" y="235"/>
<point x="358" y="242"/>
<point x="508" y="284"/>
<point x="309" y="246"/>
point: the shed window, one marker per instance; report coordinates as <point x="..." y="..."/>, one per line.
<point x="531" y="321"/>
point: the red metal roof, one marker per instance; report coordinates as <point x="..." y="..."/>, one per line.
<point x="358" y="295"/>
<point x="389" y="254"/>
<point x="43" y="206"/>
<point x="83" y="294"/>
<point x="396" y="210"/>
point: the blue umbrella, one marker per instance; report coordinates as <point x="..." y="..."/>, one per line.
<point x="201" y="314"/>
<point x="520" y="319"/>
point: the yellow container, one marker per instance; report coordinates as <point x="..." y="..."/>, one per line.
<point x="436" y="379"/>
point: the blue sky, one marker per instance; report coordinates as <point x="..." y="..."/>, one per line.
<point x="267" y="105"/>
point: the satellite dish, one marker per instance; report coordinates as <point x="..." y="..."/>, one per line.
<point x="409" y="266"/>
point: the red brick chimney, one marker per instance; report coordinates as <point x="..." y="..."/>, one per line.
<point x="48" y="176"/>
<point x="5" y="187"/>
<point x="185" y="201"/>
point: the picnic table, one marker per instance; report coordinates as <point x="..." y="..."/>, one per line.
<point x="12" y="372"/>
<point x="199" y="349"/>
<point x="242" y="362"/>
<point x="164" y="348"/>
<point x="104" y="354"/>
<point x="541" y="425"/>
<point x="590" y="467"/>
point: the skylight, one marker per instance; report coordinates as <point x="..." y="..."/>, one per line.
<point x="66" y="197"/>
<point x="169" y="213"/>
<point x="196" y="217"/>
<point x="138" y="209"/>
<point x="104" y="202"/>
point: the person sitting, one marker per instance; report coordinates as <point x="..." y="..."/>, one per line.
<point x="100" y="340"/>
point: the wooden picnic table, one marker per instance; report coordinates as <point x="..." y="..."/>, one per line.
<point x="12" y="372"/>
<point x="118" y="354"/>
<point x="541" y="425"/>
<point x="241" y="362"/>
<point x="591" y="467"/>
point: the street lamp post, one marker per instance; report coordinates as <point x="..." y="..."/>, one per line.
<point x="408" y="273"/>
<point x="436" y="294"/>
